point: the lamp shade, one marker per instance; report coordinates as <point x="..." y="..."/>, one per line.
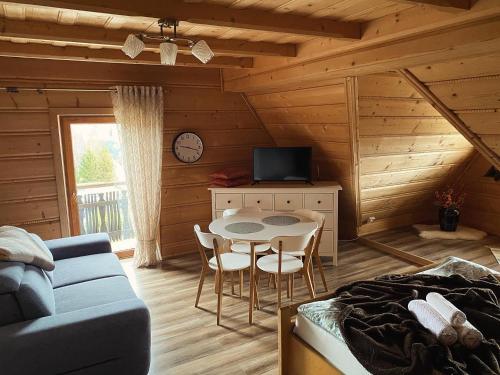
<point x="202" y="51"/>
<point x="168" y="53"/>
<point x="133" y="46"/>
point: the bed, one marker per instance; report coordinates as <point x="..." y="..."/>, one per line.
<point x="310" y="341"/>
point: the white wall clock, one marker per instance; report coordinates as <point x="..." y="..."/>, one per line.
<point x="187" y="147"/>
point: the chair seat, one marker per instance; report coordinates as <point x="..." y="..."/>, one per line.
<point x="244" y="247"/>
<point x="298" y="253"/>
<point x="231" y="262"/>
<point x="289" y="264"/>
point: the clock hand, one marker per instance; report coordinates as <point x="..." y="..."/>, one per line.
<point x="191" y="148"/>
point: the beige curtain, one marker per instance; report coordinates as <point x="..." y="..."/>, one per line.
<point x="139" y="111"/>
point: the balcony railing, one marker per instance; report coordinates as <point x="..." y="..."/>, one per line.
<point x="103" y="207"/>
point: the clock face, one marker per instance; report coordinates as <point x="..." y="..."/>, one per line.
<point x="188" y="147"/>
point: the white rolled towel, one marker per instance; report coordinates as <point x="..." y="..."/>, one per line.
<point x="431" y="319"/>
<point x="447" y="309"/>
<point x="469" y="336"/>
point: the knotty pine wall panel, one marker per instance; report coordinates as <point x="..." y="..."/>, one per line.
<point x="193" y="102"/>
<point x="407" y="150"/>
<point x="28" y="190"/>
<point x="317" y="117"/>
<point x="229" y="132"/>
<point x="482" y="202"/>
<point x="470" y="88"/>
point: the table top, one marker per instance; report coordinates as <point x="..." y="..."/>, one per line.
<point x="261" y="227"/>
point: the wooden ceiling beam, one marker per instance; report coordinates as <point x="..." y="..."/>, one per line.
<point x="211" y="14"/>
<point x="476" y="38"/>
<point x="46" y="31"/>
<point x="76" y="53"/>
<point x="444" y="4"/>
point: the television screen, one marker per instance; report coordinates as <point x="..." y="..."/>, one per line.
<point x="282" y="164"/>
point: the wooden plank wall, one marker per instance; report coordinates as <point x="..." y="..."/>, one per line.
<point x="193" y="101"/>
<point x="315" y="116"/>
<point x="482" y="202"/>
<point x="28" y="187"/>
<point x="406" y="151"/>
<point x="471" y="89"/>
<point x="229" y="131"/>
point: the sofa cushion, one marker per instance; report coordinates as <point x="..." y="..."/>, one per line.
<point x="76" y="270"/>
<point x="72" y="247"/>
<point x="92" y="293"/>
<point x="11" y="274"/>
<point x="35" y="295"/>
<point x="9" y="309"/>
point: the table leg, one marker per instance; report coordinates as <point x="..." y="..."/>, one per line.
<point x="252" y="285"/>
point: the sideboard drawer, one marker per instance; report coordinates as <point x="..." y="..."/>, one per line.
<point x="319" y="201"/>
<point x="288" y="202"/>
<point x="223" y="201"/>
<point x="326" y="244"/>
<point x="264" y="201"/>
<point x="328" y="220"/>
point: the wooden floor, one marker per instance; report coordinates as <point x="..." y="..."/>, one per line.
<point x="186" y="340"/>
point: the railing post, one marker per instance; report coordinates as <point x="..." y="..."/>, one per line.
<point x="102" y="213"/>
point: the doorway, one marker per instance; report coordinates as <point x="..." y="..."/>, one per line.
<point x="95" y="180"/>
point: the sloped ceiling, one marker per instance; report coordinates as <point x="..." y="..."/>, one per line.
<point x="470" y="89"/>
<point x="315" y="116"/>
<point x="404" y="148"/>
<point x="407" y="150"/>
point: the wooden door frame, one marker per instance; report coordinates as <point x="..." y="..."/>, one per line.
<point x="56" y="115"/>
<point x="68" y="163"/>
<point x="60" y="118"/>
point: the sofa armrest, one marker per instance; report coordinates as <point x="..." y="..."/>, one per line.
<point x="72" y="247"/>
<point x="62" y="343"/>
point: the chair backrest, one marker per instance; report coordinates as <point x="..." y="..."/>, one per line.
<point x="319" y="218"/>
<point x="208" y="241"/>
<point x="241" y="211"/>
<point x="292" y="243"/>
<point x="316" y="216"/>
<point x="295" y="243"/>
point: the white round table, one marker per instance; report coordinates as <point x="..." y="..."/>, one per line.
<point x="256" y="228"/>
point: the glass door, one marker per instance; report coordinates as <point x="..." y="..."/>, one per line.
<point x="95" y="177"/>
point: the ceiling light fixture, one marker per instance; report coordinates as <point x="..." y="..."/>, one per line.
<point x="168" y="53"/>
<point x="134" y="44"/>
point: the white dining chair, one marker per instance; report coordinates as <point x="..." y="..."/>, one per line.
<point x="243" y="247"/>
<point x="319" y="218"/>
<point x="283" y="264"/>
<point x="220" y="263"/>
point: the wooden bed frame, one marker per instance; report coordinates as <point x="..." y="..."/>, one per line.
<point x="296" y="357"/>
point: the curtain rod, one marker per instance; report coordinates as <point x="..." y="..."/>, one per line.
<point x="14" y="89"/>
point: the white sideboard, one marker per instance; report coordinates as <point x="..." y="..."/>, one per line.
<point x="322" y="196"/>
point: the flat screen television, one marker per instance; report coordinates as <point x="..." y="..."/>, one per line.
<point x="282" y="164"/>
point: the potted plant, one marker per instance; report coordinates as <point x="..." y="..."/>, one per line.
<point x="450" y="202"/>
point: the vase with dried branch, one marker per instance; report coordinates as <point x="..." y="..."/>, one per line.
<point x="450" y="202"/>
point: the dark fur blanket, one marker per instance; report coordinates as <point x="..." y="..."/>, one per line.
<point x="386" y="339"/>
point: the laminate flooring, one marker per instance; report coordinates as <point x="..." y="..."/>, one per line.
<point x="186" y="340"/>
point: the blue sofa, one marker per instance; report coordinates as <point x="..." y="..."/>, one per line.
<point x="81" y="318"/>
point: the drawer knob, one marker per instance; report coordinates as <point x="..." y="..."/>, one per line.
<point x="288" y="202"/>
<point x="319" y="202"/>
<point x="258" y="202"/>
<point x="228" y="201"/>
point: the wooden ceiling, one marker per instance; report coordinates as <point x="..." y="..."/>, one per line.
<point x="348" y="12"/>
<point x="237" y="30"/>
